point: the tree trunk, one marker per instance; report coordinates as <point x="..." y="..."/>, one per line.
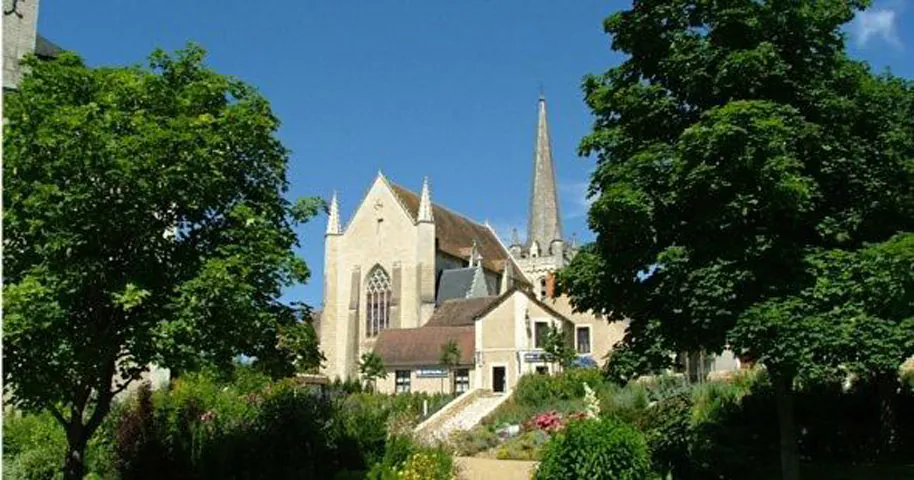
<point x="790" y="458"/>
<point x="887" y="384"/>
<point x="79" y="433"/>
<point x="74" y="463"/>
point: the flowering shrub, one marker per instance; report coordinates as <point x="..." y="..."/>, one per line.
<point x="430" y="465"/>
<point x="550" y="421"/>
<point x="607" y="449"/>
<point x="591" y="403"/>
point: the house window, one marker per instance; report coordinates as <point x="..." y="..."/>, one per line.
<point x="583" y="339"/>
<point x="540" y="330"/>
<point x="377" y="302"/>
<point x="461" y="380"/>
<point x="402" y="377"/>
<point x="542" y="370"/>
<point x="542" y="288"/>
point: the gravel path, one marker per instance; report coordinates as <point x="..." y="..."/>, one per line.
<point x="471" y="468"/>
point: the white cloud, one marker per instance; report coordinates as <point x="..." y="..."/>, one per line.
<point x="877" y="24"/>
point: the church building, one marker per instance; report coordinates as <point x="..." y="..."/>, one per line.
<point x="406" y="276"/>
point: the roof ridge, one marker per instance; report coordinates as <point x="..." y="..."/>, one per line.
<point x="449" y="210"/>
<point x="466" y="299"/>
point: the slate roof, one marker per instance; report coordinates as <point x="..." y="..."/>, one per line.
<point x="455" y="234"/>
<point x="45" y="48"/>
<point x="454" y="283"/>
<point x="422" y="346"/>
<point x="460" y="312"/>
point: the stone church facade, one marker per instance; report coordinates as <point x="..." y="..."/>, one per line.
<point x="405" y="276"/>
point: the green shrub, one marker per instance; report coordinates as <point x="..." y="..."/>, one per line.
<point x="526" y="446"/>
<point x="537" y="389"/>
<point x="398" y="450"/>
<point x="667" y="427"/>
<point x="34" y="464"/>
<point x="473" y="441"/>
<point x="596" y="450"/>
<point x="209" y="426"/>
<point x="533" y="389"/>
<point x="33" y="446"/>
<point x="627" y="403"/>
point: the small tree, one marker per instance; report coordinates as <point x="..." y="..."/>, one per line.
<point x="449" y="359"/>
<point x="371" y="369"/>
<point x="558" y="348"/>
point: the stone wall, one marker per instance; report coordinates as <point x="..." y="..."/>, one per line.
<point x="20" y="24"/>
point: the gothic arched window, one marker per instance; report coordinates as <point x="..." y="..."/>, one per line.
<point x="377" y="302"/>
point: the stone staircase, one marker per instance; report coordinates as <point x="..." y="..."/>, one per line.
<point x="463" y="413"/>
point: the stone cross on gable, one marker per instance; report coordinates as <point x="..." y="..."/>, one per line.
<point x="379" y="214"/>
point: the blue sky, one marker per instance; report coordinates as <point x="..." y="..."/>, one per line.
<point x="414" y="88"/>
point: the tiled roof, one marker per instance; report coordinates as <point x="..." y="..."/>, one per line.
<point x="456" y="233"/>
<point x="460" y="312"/>
<point x="422" y="346"/>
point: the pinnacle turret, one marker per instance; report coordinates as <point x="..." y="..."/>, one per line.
<point x="333" y="217"/>
<point x="426" y="213"/>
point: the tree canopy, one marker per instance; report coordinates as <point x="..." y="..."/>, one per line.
<point x="736" y="141"/>
<point x="742" y="159"/>
<point x="145" y="222"/>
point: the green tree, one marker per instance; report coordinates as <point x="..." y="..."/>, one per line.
<point x="735" y="143"/>
<point x="857" y="314"/>
<point x="557" y="347"/>
<point x="145" y="222"/>
<point x="371" y="368"/>
<point x="299" y="348"/>
<point x="449" y="359"/>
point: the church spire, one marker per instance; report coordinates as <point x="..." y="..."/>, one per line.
<point x="333" y="220"/>
<point x="425" y="204"/>
<point x="544" y="224"/>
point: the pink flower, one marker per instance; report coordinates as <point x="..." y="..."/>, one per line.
<point x="208" y="416"/>
<point x="549" y="421"/>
